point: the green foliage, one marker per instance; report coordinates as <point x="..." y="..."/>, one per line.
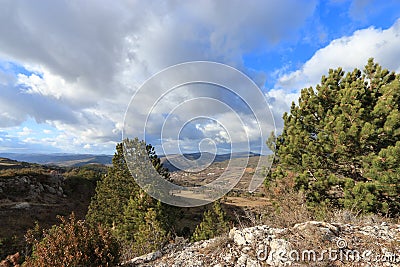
<point x="112" y="193"/>
<point x="90" y="172"/>
<point x="142" y="227"/>
<point x="82" y="179"/>
<point x="342" y="141"/>
<point x="73" y="243"/>
<point x="214" y="223"/>
<point x="155" y="160"/>
<point x="136" y="219"/>
<point x="150" y="234"/>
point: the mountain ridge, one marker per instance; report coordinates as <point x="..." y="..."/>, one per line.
<point x="77" y="160"/>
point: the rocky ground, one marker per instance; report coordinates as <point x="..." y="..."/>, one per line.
<point x="311" y="243"/>
<point x="31" y="193"/>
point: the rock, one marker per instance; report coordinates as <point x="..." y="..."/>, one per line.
<point x="242" y="261"/>
<point x="22" y="205"/>
<point x="266" y="246"/>
<point x="327" y="230"/>
<point x="40" y="187"/>
<point x="50" y="189"/>
<point x="246" y="249"/>
<point x="25" y="179"/>
<point x="60" y="191"/>
<point x="278" y="251"/>
<point x="229" y="258"/>
<point x="145" y="258"/>
<point x="252" y="263"/>
<point x="317" y="225"/>
<point x="239" y="238"/>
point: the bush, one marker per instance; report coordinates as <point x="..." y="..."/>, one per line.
<point x="73" y="243"/>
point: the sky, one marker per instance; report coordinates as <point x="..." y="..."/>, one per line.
<point x="69" y="69"/>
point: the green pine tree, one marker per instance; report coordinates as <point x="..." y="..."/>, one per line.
<point x="341" y="141"/>
<point x="112" y="193"/>
<point x="214" y="223"/>
<point x="137" y="220"/>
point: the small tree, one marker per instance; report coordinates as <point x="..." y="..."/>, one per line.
<point x="142" y="228"/>
<point x="137" y="220"/>
<point x="214" y="223"/>
<point x="150" y="235"/>
<point x="118" y="186"/>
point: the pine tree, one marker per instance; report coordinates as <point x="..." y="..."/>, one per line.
<point x="214" y="223"/>
<point x="142" y="228"/>
<point x="120" y="204"/>
<point x="112" y="193"/>
<point x="155" y="160"/>
<point x="342" y="138"/>
<point x="118" y="186"/>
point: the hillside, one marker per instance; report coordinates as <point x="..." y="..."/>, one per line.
<point x="6" y="163"/>
<point x="177" y="160"/>
<point x="32" y="193"/>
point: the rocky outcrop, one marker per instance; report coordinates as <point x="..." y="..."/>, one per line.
<point x="21" y="190"/>
<point x="311" y="243"/>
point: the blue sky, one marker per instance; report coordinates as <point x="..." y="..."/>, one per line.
<point x="69" y="68"/>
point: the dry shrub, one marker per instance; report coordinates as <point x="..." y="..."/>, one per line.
<point x="358" y="218"/>
<point x="288" y="205"/>
<point x="73" y="243"/>
<point x="218" y="245"/>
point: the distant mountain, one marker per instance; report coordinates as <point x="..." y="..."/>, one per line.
<point x="77" y="160"/>
<point x="182" y="164"/>
<point x="60" y="159"/>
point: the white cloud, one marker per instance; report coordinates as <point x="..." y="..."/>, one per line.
<point x="87" y="146"/>
<point x="88" y="58"/>
<point x="280" y="101"/>
<point x="348" y="52"/>
<point x="25" y="131"/>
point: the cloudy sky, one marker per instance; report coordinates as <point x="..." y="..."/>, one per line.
<point x="68" y="69"/>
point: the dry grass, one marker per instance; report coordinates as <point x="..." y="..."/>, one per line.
<point x="287" y="206"/>
<point x="217" y="245"/>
